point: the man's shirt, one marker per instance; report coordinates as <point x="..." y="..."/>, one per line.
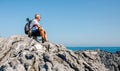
<point x="33" y="24"/>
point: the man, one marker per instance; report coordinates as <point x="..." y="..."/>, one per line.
<point x="37" y="29"/>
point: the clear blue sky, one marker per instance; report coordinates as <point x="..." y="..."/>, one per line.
<point x="68" y="22"/>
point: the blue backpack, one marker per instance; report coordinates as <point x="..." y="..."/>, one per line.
<point x="27" y="26"/>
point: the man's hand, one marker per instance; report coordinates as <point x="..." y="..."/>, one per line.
<point x="41" y="29"/>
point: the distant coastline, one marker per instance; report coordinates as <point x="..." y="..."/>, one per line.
<point x="108" y="49"/>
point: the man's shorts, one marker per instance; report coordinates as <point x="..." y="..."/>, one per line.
<point x="36" y="32"/>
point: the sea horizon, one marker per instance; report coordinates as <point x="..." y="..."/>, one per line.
<point x="111" y="49"/>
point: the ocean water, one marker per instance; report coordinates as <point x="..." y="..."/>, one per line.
<point x="108" y="49"/>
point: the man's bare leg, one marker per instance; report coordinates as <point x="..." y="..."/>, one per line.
<point x="43" y="34"/>
<point x="41" y="31"/>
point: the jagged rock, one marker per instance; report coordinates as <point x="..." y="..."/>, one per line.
<point x="111" y="61"/>
<point x="21" y="53"/>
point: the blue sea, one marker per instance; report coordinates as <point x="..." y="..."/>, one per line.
<point x="108" y="49"/>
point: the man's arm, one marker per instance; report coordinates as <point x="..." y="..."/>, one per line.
<point x="38" y="25"/>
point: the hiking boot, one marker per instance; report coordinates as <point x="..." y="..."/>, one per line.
<point x="29" y="33"/>
<point x="43" y="40"/>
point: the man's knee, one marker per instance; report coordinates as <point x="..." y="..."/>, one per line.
<point x="41" y="29"/>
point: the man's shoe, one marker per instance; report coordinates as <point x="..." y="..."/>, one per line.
<point x="43" y="40"/>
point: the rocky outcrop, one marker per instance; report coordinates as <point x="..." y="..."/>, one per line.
<point x="111" y="61"/>
<point x="21" y="53"/>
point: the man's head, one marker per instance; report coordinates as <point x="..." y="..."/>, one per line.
<point x="38" y="17"/>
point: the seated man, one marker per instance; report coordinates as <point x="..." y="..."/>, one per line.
<point x="37" y="29"/>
